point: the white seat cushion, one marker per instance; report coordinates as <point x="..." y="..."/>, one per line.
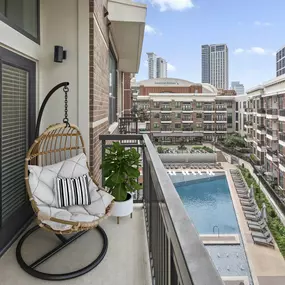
<point x="42" y="184"/>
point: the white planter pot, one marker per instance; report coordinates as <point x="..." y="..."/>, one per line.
<point x="122" y="209"/>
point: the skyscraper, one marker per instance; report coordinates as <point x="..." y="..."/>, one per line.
<point x="152" y="65"/>
<point x="280" y="61"/>
<point x="161" y="68"/>
<point x="215" y="65"/>
<point x="238" y="87"/>
<point x="157" y="66"/>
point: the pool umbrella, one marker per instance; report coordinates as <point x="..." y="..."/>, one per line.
<point x="263" y="212"/>
<point x="251" y="192"/>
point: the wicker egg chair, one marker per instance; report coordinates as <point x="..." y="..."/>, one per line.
<point x="57" y="144"/>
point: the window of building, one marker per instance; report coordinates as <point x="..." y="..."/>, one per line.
<point x="156" y="104"/>
<point x="156" y="115"/>
<point x="230" y="118"/>
<point x="177" y="104"/>
<point x="199" y="126"/>
<point x="177" y="115"/>
<point x="177" y="126"/>
<point x="22" y="15"/>
<point x="155" y="125"/>
<point x="199" y="116"/>
<point x="112" y="88"/>
<point x="237" y="106"/>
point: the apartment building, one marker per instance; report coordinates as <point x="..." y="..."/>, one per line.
<point x="265" y="116"/>
<point x="193" y="116"/>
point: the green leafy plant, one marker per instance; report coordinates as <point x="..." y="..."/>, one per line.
<point x="274" y="223"/>
<point x="121" y="171"/>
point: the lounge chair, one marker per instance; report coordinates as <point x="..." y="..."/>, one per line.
<point x="243" y="195"/>
<point x="259" y="228"/>
<point x="255" y="212"/>
<point x="247" y="202"/>
<point x="264" y="235"/>
<point x="264" y="242"/>
<point x="251" y="217"/>
<point x="250" y="209"/>
<point x="259" y="223"/>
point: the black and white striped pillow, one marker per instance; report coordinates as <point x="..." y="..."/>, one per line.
<point x="72" y="191"/>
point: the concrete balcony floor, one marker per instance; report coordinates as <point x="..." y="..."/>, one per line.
<point x="126" y="261"/>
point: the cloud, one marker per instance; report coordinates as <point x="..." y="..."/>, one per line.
<point x="171" y="67"/>
<point x="254" y="50"/>
<point x="262" y="24"/>
<point x="176" y="5"/>
<point x="238" y="50"/>
<point x="149" y="30"/>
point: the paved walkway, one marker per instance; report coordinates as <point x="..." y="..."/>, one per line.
<point x="267" y="265"/>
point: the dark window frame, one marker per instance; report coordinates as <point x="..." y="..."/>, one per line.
<point x="36" y="39"/>
<point x="17" y="222"/>
<point x="114" y="96"/>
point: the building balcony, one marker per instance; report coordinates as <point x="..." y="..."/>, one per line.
<point x="271" y="134"/>
<point x="261" y="111"/>
<point x="208" y="108"/>
<point x="163" y="119"/>
<point x="185" y="129"/>
<point x="248" y="110"/>
<point x="261" y="127"/>
<point x="281" y="136"/>
<point x="272" y="155"/>
<point x="166" y="109"/>
<point x="282" y="112"/>
<point x="272" y="112"/>
<point x="282" y="160"/>
<point x="248" y="138"/>
<point x="260" y="143"/>
<point x="220" y="109"/>
<point x="187" y="109"/>
<point x="128" y="124"/>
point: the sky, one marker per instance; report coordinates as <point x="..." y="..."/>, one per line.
<point x="253" y="30"/>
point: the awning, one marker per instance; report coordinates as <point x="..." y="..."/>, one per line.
<point x="127" y="28"/>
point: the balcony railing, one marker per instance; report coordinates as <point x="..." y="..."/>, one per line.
<point x="249" y="110"/>
<point x="187" y="118"/>
<point x="261" y="111"/>
<point x="282" y="137"/>
<point x="177" y="254"/>
<point x="282" y="160"/>
<point x="260" y="143"/>
<point x="282" y="113"/>
<point x="260" y="127"/>
<point x="165" y="109"/>
<point x="166" y="119"/>
<point x="219" y="108"/>
<point x="208" y="108"/>
<point x="248" y="123"/>
<point x="187" y="108"/>
<point x="272" y="132"/>
<point x="272" y="111"/>
<point x="128" y="124"/>
<point x="272" y="153"/>
<point x="187" y="129"/>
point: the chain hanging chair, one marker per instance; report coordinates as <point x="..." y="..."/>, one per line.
<point x="60" y="152"/>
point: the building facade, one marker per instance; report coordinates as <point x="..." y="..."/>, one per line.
<point x="161" y="68"/>
<point x="215" y="65"/>
<point x="265" y="126"/>
<point x="181" y="108"/>
<point x="280" y="61"/>
<point x="97" y="34"/>
<point x="238" y="87"/>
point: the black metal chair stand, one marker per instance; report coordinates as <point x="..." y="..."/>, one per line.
<point x="31" y="269"/>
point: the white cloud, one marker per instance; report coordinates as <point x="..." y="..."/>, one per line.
<point x="149" y="30"/>
<point x="257" y="50"/>
<point x="171" y="67"/>
<point x="238" y="50"/>
<point x="176" y="5"/>
<point x="254" y="50"/>
<point x="262" y="24"/>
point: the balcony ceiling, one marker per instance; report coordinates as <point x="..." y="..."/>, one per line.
<point x="127" y="28"/>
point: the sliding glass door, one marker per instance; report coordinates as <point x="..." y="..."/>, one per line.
<point x="17" y="126"/>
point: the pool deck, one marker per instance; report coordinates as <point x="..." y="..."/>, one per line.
<point x="267" y="265"/>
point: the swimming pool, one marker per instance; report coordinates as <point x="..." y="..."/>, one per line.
<point x="208" y="202"/>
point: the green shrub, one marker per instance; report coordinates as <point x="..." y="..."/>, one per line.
<point x="234" y="141"/>
<point x="274" y="223"/>
<point x="208" y="149"/>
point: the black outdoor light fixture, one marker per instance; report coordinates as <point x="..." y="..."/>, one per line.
<point x="59" y="54"/>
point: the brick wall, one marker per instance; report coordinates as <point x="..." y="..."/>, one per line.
<point x="99" y="82"/>
<point x="161" y="89"/>
<point x="127" y="93"/>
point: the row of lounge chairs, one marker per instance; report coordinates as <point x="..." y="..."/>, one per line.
<point x="194" y="166"/>
<point x="256" y="219"/>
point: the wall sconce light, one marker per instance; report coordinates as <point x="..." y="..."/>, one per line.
<point x="59" y="54"/>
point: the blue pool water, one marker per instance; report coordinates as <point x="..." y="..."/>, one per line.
<point x="208" y="203"/>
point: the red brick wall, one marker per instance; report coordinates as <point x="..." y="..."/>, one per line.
<point x="127" y="93"/>
<point x="98" y="82"/>
<point x="164" y="89"/>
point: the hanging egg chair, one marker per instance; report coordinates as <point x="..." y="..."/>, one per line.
<point x="64" y="195"/>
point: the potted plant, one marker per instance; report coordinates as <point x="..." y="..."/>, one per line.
<point x="121" y="172"/>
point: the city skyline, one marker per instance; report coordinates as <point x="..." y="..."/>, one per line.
<point x="252" y="42"/>
<point x="157" y="66"/>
